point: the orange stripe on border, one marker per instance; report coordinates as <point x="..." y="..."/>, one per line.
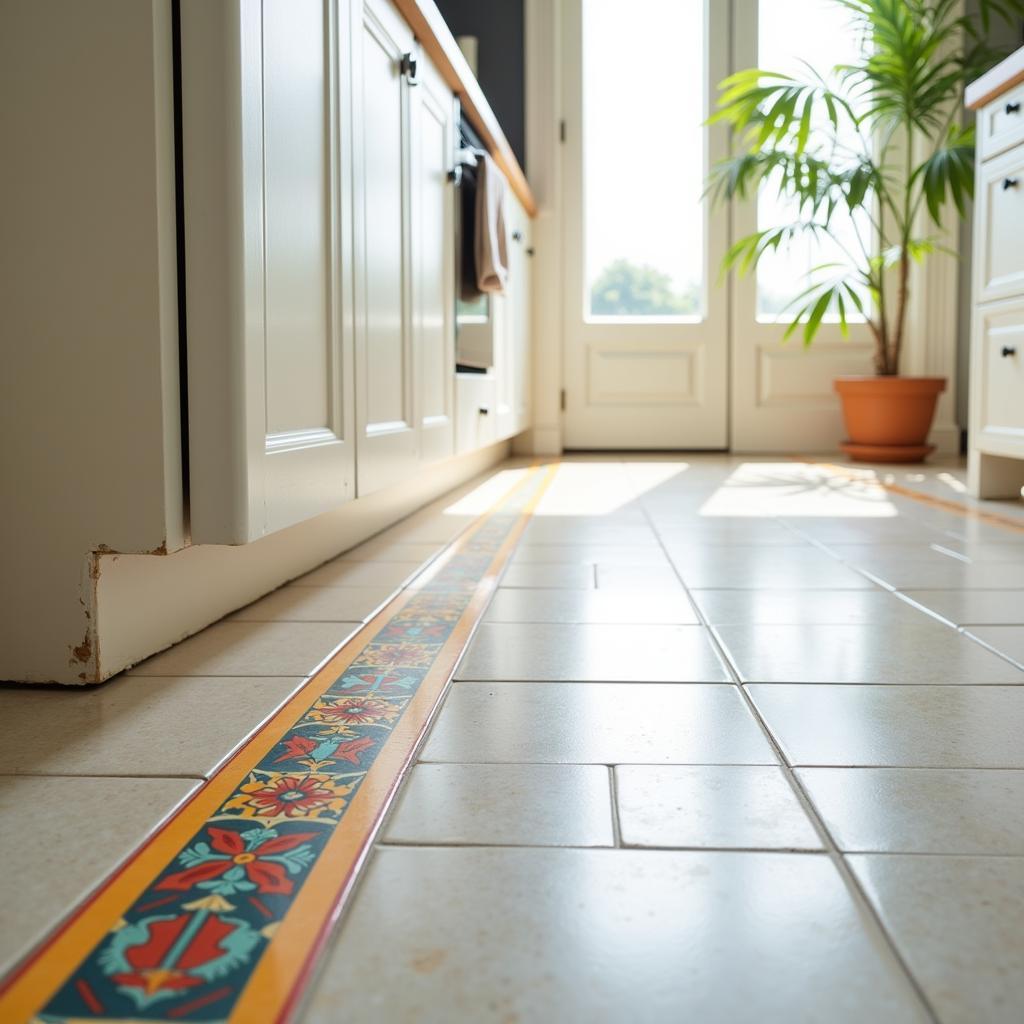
<point x="273" y="988"/>
<point x="967" y="511"/>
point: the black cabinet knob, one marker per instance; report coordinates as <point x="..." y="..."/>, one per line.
<point x="484" y="411"/>
<point x="517" y="236"/>
<point x="1008" y="350"/>
<point x="408" y="67"/>
<point x="1010" y="183"/>
<point x="1013" y="108"/>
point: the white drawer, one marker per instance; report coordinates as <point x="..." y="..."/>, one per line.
<point x="999" y="252"/>
<point x="999" y="340"/>
<point x="1001" y="123"/>
<point x="475" y="412"/>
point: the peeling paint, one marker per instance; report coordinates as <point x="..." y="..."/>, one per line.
<point x="83" y="652"/>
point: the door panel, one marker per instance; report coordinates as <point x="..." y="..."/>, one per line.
<point x="384" y="358"/>
<point x="297" y="218"/>
<point x="519" y="314"/>
<point x="433" y="113"/>
<point x="646" y="357"/>
<point x="269" y="355"/>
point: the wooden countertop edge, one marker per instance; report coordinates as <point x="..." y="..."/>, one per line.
<point x="438" y="42"/>
<point x="1005" y="75"/>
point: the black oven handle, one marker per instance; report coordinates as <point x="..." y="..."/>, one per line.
<point x="463" y="158"/>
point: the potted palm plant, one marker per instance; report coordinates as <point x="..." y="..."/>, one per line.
<point x="874" y="148"/>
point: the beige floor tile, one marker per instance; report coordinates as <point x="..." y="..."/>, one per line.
<point x="806" y="607"/>
<point x="505" y="650"/>
<point x="952" y="575"/>
<point x="638" y="577"/>
<point x="134" y="726"/>
<point x="899" y="726"/>
<point x="596" y="723"/>
<point x="591" y="606"/>
<point x="926" y="652"/>
<point x="555" y="577"/>
<point x="430" y="526"/>
<point x="765" y="568"/>
<point x="387" y="550"/>
<point x="710" y="806"/>
<point x="973" y="607"/>
<point x="685" y="531"/>
<point x="588" y="554"/>
<point x="587" y="530"/>
<point x="315" y="604"/>
<point x="1007" y="640"/>
<point x="893" y="529"/>
<point x="250" y="649"/>
<point x="505" y="805"/>
<point x="342" y="573"/>
<point x="481" y="936"/>
<point x="874" y="557"/>
<point x="957" y="923"/>
<point x="920" y="810"/>
<point x="61" y="837"/>
<point x="935" y="550"/>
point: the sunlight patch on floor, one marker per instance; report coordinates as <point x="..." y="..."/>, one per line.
<point x="798" y="489"/>
<point x="487" y="494"/>
<point x="597" y="489"/>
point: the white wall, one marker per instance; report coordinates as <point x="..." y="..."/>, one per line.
<point x="89" y="387"/>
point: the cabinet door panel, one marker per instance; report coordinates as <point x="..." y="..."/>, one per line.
<point x="385" y="418"/>
<point x="297" y="205"/>
<point x="434" y="323"/>
<point x="270" y="364"/>
<point x="521" y="268"/>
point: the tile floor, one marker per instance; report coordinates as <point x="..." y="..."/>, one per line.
<point x="739" y="740"/>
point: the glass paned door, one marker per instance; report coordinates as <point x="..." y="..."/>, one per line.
<point x="781" y="393"/>
<point x="645" y="325"/>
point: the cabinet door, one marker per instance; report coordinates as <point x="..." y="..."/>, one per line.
<point x="386" y="421"/>
<point x="432" y="112"/>
<point x="269" y="356"/>
<point x="519" y="306"/>
<point x="504" y="360"/>
<point x="433" y="128"/>
<point x="997" y="376"/>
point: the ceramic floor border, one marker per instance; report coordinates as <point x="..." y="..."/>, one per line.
<point x="222" y="913"/>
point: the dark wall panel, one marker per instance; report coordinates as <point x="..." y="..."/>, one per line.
<point x="498" y="24"/>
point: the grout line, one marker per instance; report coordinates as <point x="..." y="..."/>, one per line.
<point x="729" y="764"/>
<point x="439" y="844"/>
<point x="831" y="847"/>
<point x="729" y="682"/>
<point x="98" y="775"/>
<point x="613" y="790"/>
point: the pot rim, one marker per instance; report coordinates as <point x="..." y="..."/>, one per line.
<point x="888" y="384"/>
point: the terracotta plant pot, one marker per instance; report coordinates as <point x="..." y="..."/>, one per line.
<point x="888" y="418"/>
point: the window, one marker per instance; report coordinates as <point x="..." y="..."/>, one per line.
<point x="790" y="33"/>
<point x="644" y="147"/>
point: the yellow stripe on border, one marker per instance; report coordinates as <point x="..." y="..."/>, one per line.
<point x="272" y="990"/>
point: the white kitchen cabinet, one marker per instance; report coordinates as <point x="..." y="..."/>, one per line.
<point x="996" y="455"/>
<point x="267" y="265"/>
<point x="405" y="347"/>
<point x="319" y="235"/>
